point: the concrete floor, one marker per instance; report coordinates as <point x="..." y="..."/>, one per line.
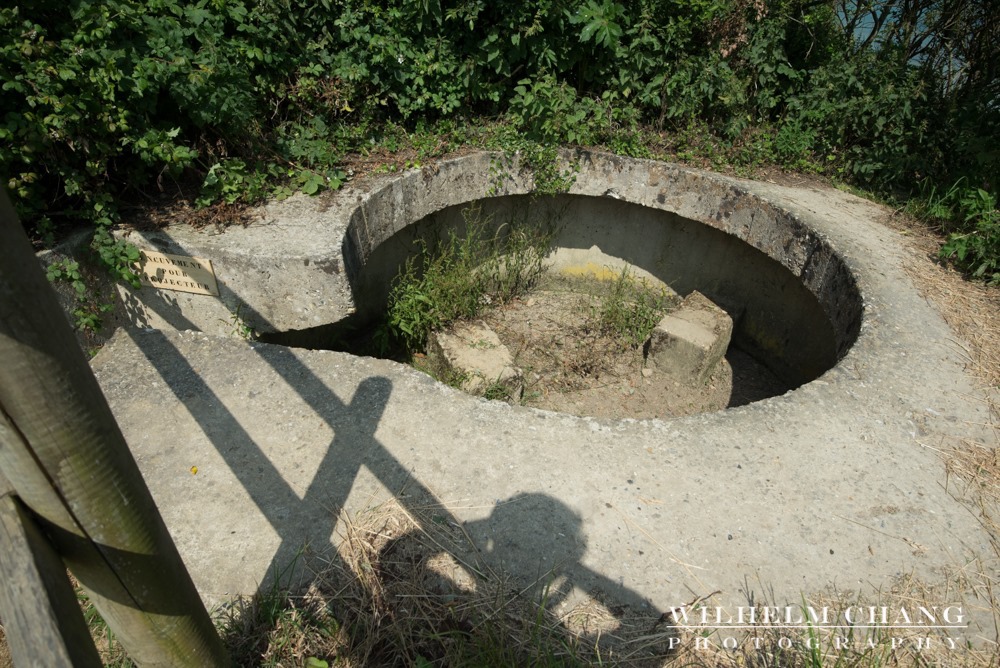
<point x="833" y="485"/>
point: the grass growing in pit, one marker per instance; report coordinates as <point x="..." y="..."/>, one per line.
<point x="484" y="266"/>
<point x="630" y="308"/>
<point x="459" y="277"/>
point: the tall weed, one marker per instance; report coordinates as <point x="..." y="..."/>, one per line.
<point x="457" y="278"/>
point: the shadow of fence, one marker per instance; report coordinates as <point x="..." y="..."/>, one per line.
<point x="531" y="546"/>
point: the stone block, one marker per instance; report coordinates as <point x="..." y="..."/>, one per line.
<point x="689" y="343"/>
<point x="473" y="353"/>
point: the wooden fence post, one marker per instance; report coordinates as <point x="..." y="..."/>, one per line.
<point x="66" y="458"/>
<point x="42" y="617"/>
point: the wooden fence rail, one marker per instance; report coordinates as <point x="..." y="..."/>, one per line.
<point x="36" y="599"/>
<point x="67" y="462"/>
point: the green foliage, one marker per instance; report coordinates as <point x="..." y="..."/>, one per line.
<point x="541" y="160"/>
<point x="498" y="391"/>
<point x="104" y="101"/>
<point x="88" y="310"/>
<point x="230" y="181"/>
<point x="127" y="93"/>
<point x="90" y="303"/>
<point x="630" y="309"/>
<point x="865" y="117"/>
<point x="118" y="256"/>
<point x="549" y="110"/>
<point x="239" y="326"/>
<point x="793" y="144"/>
<point x="446" y="290"/>
<point x="89" y="94"/>
<point x="975" y="247"/>
<point x="460" y="276"/>
<point x="600" y="22"/>
<point x="69" y="272"/>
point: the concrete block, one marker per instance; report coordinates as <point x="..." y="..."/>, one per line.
<point x="472" y="351"/>
<point x="689" y="343"/>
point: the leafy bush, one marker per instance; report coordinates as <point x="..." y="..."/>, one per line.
<point x="122" y="94"/>
<point x="975" y="247"/>
<point x="103" y="101"/>
<point x="464" y="274"/>
<point x="110" y="93"/>
<point x="550" y="111"/>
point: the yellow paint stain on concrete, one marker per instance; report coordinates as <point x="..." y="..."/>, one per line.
<point x="591" y="270"/>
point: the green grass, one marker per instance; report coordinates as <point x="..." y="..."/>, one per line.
<point x="486" y="265"/>
<point x="497" y="390"/>
<point x="111" y="650"/>
<point x="630" y="309"/>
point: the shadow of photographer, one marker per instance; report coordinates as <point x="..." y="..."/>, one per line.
<point x="522" y="565"/>
<point x="515" y="579"/>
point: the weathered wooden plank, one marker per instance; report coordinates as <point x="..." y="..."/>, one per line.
<point x="42" y="619"/>
<point x="61" y="448"/>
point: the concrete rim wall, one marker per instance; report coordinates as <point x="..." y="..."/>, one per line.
<point x="713" y="201"/>
<point x="834" y="483"/>
<point x="300" y="269"/>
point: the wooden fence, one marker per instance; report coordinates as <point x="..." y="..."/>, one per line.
<point x="71" y="496"/>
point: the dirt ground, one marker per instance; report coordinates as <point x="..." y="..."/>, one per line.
<point x="571" y="366"/>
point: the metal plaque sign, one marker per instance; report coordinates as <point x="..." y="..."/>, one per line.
<point x="182" y="273"/>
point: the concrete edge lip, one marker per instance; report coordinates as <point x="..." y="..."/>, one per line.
<point x="296" y="269"/>
<point x="816" y="487"/>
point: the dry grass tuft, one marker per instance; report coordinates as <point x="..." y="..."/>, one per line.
<point x="837" y="643"/>
<point x="972" y="310"/>
<point x="972" y="465"/>
<point x="5" y="660"/>
<point x="404" y="591"/>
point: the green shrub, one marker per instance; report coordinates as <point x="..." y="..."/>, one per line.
<point x="107" y="101"/>
<point x="630" y="309"/>
<point x="975" y="247"/>
<point x="457" y="278"/>
<point x="97" y="95"/>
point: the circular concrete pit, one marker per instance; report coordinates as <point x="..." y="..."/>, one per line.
<point x="796" y="311"/>
<point x="830" y="485"/>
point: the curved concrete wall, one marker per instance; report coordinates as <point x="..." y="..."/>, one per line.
<point x="835" y="483"/>
<point x="794" y="302"/>
<point x="308" y="263"/>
